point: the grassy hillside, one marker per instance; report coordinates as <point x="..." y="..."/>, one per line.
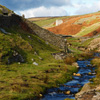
<point x="26" y="80"/>
<point x="87" y="30"/>
<point x="27" y="66"/>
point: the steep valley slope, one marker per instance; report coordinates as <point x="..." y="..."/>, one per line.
<point x="27" y="66"/>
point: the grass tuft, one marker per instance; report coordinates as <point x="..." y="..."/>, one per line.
<point x="69" y="60"/>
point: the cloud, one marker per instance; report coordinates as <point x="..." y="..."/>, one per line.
<point x="43" y="11"/>
<point x="52" y="7"/>
<point x="27" y="4"/>
<point x="87" y="8"/>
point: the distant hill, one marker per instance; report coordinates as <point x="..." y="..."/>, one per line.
<point x="81" y="25"/>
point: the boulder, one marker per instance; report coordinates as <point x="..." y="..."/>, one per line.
<point x="86" y="93"/>
<point x="86" y="87"/>
<point x="16" y="57"/>
<point x="34" y="63"/>
<point x="76" y="74"/>
<point x="4" y="11"/>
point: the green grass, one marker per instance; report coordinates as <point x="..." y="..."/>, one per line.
<point x="75" y="43"/>
<point x="87" y="30"/>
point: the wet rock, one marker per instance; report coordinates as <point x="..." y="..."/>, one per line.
<point x="89" y="73"/>
<point x="76" y="74"/>
<point x="67" y="92"/>
<point x="89" y="65"/>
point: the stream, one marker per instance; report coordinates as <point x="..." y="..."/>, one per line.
<point x="87" y="72"/>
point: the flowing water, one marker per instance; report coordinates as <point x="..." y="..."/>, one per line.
<point x="87" y="72"/>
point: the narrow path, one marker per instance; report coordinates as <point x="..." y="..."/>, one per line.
<point x="69" y="89"/>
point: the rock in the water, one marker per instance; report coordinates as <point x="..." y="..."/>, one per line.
<point x="76" y="74"/>
<point x="67" y="92"/>
<point x="89" y="73"/>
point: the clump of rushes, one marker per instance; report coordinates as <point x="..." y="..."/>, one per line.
<point x="85" y="55"/>
<point x="69" y="60"/>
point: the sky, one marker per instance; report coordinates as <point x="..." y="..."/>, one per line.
<point x="42" y="8"/>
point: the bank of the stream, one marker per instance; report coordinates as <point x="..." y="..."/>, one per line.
<point x="68" y="90"/>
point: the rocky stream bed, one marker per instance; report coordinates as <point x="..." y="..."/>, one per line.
<point x="68" y="90"/>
